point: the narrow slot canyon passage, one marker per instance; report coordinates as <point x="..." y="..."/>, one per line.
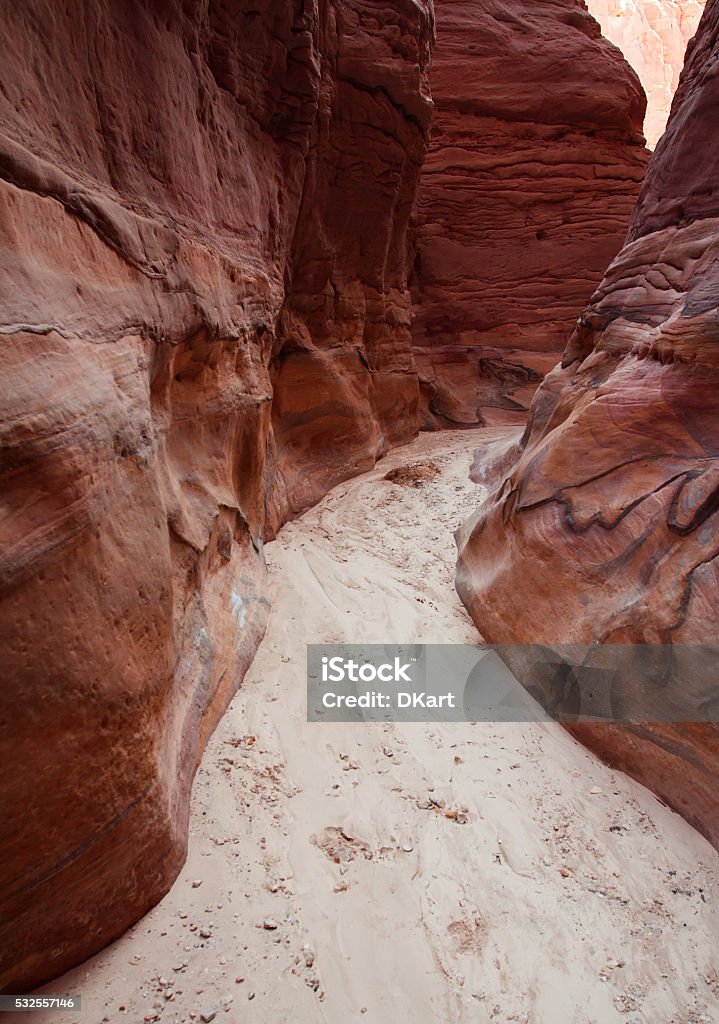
<point x="248" y="249"/>
<point x="334" y="886"/>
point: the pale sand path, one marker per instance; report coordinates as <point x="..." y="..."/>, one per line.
<point x="425" y="919"/>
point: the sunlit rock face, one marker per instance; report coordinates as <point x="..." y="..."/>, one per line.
<point x="535" y="164"/>
<point x="205" y="325"/>
<point x="605" y="524"/>
<point x="653" y="36"/>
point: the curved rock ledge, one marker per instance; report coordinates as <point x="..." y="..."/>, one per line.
<point x="608" y="513"/>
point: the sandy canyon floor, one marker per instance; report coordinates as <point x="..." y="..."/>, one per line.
<point x="325" y="880"/>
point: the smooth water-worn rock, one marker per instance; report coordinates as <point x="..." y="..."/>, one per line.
<point x="205" y="325"/>
<point x="605" y="525"/>
<point x="535" y="163"/>
<point x="653" y="36"/>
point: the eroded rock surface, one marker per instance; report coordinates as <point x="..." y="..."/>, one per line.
<point x="205" y="325"/>
<point x="653" y="36"/>
<point x="535" y="164"/>
<point x="604" y="528"/>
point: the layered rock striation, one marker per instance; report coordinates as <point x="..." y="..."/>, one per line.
<point x="205" y="325"/>
<point x="604" y="526"/>
<point x="653" y="36"/>
<point x="535" y="164"/>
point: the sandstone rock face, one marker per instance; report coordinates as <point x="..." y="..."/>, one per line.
<point x="205" y="325"/>
<point x="605" y="527"/>
<point x="653" y="36"/>
<point x="534" y="166"/>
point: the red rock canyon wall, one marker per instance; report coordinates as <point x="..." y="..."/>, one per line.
<point x="653" y="36"/>
<point x="205" y="325"/>
<point x="606" y="526"/>
<point x="535" y="164"/>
